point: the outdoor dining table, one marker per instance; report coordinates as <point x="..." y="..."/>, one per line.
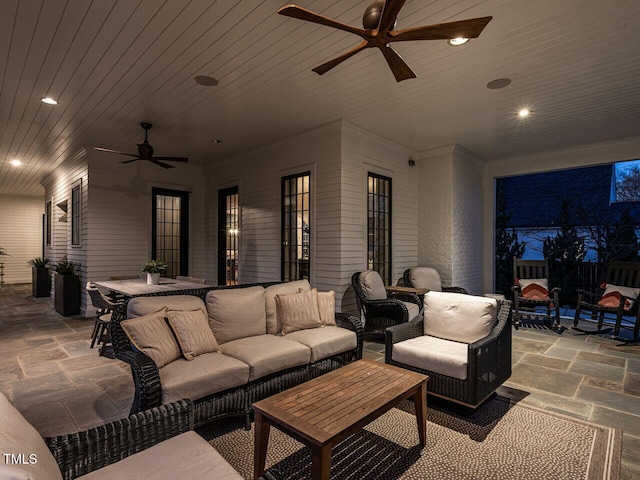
<point x="137" y="287"/>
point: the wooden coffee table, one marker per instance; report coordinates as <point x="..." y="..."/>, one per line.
<point x="324" y="411"/>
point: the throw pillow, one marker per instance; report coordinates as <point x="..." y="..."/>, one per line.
<point x="193" y="332"/>
<point x="298" y="311"/>
<point x="459" y="317"/>
<point x="613" y="295"/>
<point x="152" y="336"/>
<point x="534" y="288"/>
<point x="273" y="324"/>
<point x="237" y="313"/>
<point x="326" y="306"/>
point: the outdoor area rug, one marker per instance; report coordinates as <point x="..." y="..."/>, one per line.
<point x="500" y="440"/>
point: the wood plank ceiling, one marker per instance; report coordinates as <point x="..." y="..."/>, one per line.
<point x="112" y="64"/>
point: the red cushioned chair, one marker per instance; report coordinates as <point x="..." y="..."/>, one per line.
<point x="531" y="291"/>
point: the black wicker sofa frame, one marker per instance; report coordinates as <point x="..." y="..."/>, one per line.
<point x="232" y="402"/>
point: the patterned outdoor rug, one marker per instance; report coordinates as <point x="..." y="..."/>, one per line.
<point x="498" y="441"/>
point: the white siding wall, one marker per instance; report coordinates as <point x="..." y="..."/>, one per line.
<point x="590" y="154"/>
<point x="467" y="221"/>
<point x="120" y="212"/>
<point x="20" y="235"/>
<point x="338" y="156"/>
<point x="57" y="188"/>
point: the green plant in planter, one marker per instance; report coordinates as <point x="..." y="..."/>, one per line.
<point x="66" y="267"/>
<point x="39" y="262"/>
<point x="154" y="266"/>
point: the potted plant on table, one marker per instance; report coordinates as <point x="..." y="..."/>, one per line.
<point x="153" y="269"/>
<point x="40" y="277"/>
<point x="67" y="287"/>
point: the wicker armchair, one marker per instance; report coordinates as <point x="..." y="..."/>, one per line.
<point x="606" y="308"/>
<point x="543" y="297"/>
<point x="384" y="309"/>
<point x="488" y="361"/>
<point x="429" y="278"/>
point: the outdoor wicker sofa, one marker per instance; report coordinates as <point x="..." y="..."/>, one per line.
<point x="484" y="366"/>
<point x="156" y="444"/>
<point x="238" y="399"/>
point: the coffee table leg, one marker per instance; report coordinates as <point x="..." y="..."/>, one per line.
<point x="260" y="444"/>
<point x="321" y="462"/>
<point x="420" y="399"/>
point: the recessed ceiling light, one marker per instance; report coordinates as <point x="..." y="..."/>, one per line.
<point x="456" y="42"/>
<point x="15" y="162"/>
<point x="206" y="80"/>
<point x="523" y="112"/>
<point x="49" y="101"/>
<point x="498" y="83"/>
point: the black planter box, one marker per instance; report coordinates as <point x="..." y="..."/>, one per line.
<point x="67" y="294"/>
<point x="40" y="282"/>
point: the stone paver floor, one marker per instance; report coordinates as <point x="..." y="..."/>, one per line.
<point x="61" y="385"/>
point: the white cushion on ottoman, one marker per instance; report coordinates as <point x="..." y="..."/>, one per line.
<point x="459" y="317"/>
<point x="184" y="456"/>
<point x="435" y="354"/>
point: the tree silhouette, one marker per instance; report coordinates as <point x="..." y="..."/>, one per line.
<point x="628" y="186"/>
<point x="507" y="247"/>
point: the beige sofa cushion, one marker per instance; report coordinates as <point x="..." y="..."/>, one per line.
<point x="237" y="313"/>
<point x="412" y="309"/>
<point x="326" y="341"/>
<point x="152" y="336"/>
<point x="184" y="456"/>
<point x="273" y="324"/>
<point x="140" y="306"/>
<point x="18" y="436"/>
<point x="266" y="354"/>
<point x="298" y="311"/>
<point x="434" y="354"/>
<point x="192" y="331"/>
<point x="425" y="277"/>
<point x="204" y="375"/>
<point x="372" y="285"/>
<point x="459" y="317"/>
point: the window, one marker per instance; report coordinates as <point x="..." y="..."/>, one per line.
<point x="47" y="222"/>
<point x="379" y="225"/>
<point x="170" y="230"/>
<point x="76" y="215"/>
<point x="228" y="229"/>
<point x="296" y="227"/>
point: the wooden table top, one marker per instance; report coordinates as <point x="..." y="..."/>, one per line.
<point x="402" y="289"/>
<point x="135" y="287"/>
<point x="327" y="408"/>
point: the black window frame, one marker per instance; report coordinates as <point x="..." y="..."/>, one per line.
<point x="76" y="215"/>
<point x="48" y="213"/>
<point x="228" y="273"/>
<point x="374" y="229"/>
<point x="301" y="268"/>
<point x="184" y="227"/>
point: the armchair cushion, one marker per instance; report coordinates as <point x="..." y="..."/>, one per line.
<point x="152" y="336"/>
<point x="613" y="295"/>
<point x="372" y="285"/>
<point x="458" y="317"/>
<point x="433" y="354"/>
<point x="193" y="332"/>
<point x="18" y="436"/>
<point x="184" y="456"/>
<point x="273" y="323"/>
<point x="237" y="313"/>
<point x="534" y="288"/>
<point x="413" y="309"/>
<point x="425" y="277"/>
<point x="298" y="311"/>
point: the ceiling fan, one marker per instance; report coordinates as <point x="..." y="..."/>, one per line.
<point x="145" y="152"/>
<point x="378" y="21"/>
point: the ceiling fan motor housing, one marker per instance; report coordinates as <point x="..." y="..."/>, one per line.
<point x="372" y="15"/>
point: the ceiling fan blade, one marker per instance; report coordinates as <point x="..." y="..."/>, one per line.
<point x="129" y="161"/>
<point x="100" y="149"/>
<point x="398" y="66"/>
<point x="443" y="31"/>
<point x="390" y="14"/>
<point x="171" y="159"/>
<point x="160" y="164"/>
<point x="325" y="67"/>
<point x="294" y="11"/>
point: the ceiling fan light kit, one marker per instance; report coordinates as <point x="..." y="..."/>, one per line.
<point x="145" y="152"/>
<point x="379" y="22"/>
